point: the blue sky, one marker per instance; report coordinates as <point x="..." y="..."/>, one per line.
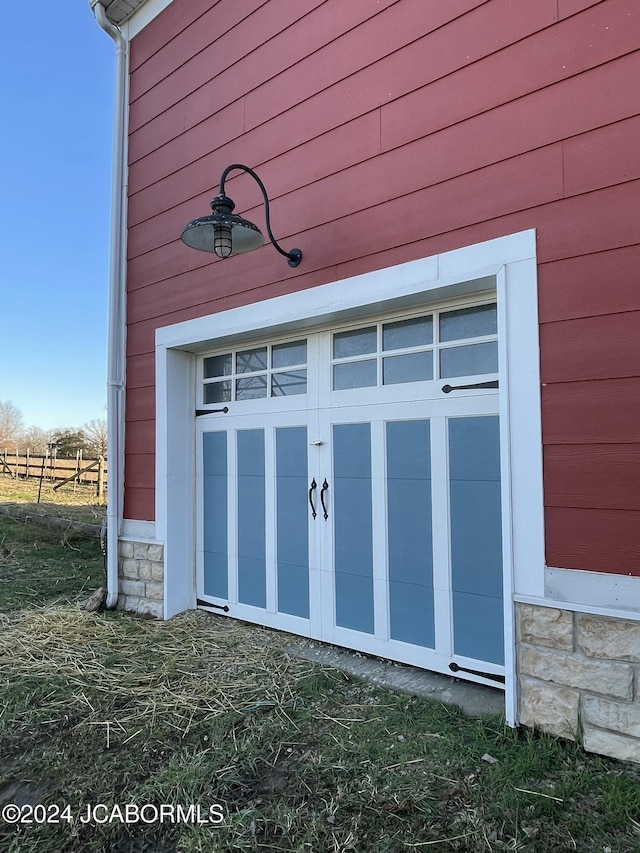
<point x="56" y="99"/>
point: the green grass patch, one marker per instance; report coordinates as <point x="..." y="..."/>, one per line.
<point x="38" y="565"/>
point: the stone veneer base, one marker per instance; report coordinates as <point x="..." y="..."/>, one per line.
<point x="141" y="578"/>
<point x="579" y="677"/>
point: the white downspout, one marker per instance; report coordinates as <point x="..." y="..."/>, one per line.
<point x="117" y="290"/>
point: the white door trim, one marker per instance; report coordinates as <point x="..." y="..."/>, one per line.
<point x="508" y="263"/>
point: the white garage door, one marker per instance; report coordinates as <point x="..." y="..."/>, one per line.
<point x="349" y="487"/>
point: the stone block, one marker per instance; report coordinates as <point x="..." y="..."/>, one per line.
<point x="549" y="707"/>
<point x="612" y="744"/>
<point x="617" y="716"/>
<point x="157" y="571"/>
<point x="155" y="590"/>
<point x="546" y="626"/>
<point x="129" y="602"/>
<point x="129" y="569"/>
<point x="145" y="570"/>
<point x="125" y="549"/>
<point x="610" y="679"/>
<point x="155" y="553"/>
<point x="132" y="588"/>
<point x="140" y="550"/>
<point x="151" y="608"/>
<point x="608" y="638"/>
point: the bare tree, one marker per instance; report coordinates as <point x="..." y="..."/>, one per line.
<point x="36" y="439"/>
<point x="11" y="425"/>
<point x="95" y="434"/>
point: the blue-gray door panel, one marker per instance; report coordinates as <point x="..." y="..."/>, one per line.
<point x="353" y="531"/>
<point x="292" y="532"/>
<point x="252" y="569"/>
<point x="215" y="512"/>
<point x="409" y="525"/>
<point x="476" y="537"/>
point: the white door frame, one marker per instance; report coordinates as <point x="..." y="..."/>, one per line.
<point x="506" y="263"/>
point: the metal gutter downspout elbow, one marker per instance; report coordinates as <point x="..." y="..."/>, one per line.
<point x="117" y="284"/>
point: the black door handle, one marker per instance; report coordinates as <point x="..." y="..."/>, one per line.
<point x="314" y="485"/>
<point x="325" y="486"/>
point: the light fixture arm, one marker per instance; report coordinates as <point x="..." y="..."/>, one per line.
<point x="295" y="255"/>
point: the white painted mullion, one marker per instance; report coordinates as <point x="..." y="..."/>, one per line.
<point x="324" y="529"/>
<point x="318" y="457"/>
<point x="441" y="536"/>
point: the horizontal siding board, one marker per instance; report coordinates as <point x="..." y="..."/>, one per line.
<point x="140" y="468"/>
<point x="595" y="540"/>
<point x="140" y="436"/>
<point x="140" y="403"/>
<point x="604" y="157"/>
<point x="592" y="476"/>
<point x="139" y="504"/>
<point x="592" y="222"/>
<point x="602" y="347"/>
<point x="591" y="412"/>
<point x="141" y="370"/>
<point x="589" y="285"/>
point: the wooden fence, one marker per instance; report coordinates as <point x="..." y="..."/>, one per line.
<point x="24" y="465"/>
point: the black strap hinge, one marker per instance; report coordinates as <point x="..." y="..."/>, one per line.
<point x="492" y="676"/>
<point x="447" y="389"/>
<point x="202" y="603"/>
<point x="211" y="411"/>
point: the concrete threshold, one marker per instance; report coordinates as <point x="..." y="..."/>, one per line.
<point x="476" y="700"/>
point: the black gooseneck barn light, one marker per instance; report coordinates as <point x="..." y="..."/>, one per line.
<point x="226" y="234"/>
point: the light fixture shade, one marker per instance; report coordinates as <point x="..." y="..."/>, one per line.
<point x="203" y="234"/>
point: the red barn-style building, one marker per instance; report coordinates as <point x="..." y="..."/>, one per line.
<point x="422" y="441"/>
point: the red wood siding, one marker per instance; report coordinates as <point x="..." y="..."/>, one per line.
<point x="389" y="131"/>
